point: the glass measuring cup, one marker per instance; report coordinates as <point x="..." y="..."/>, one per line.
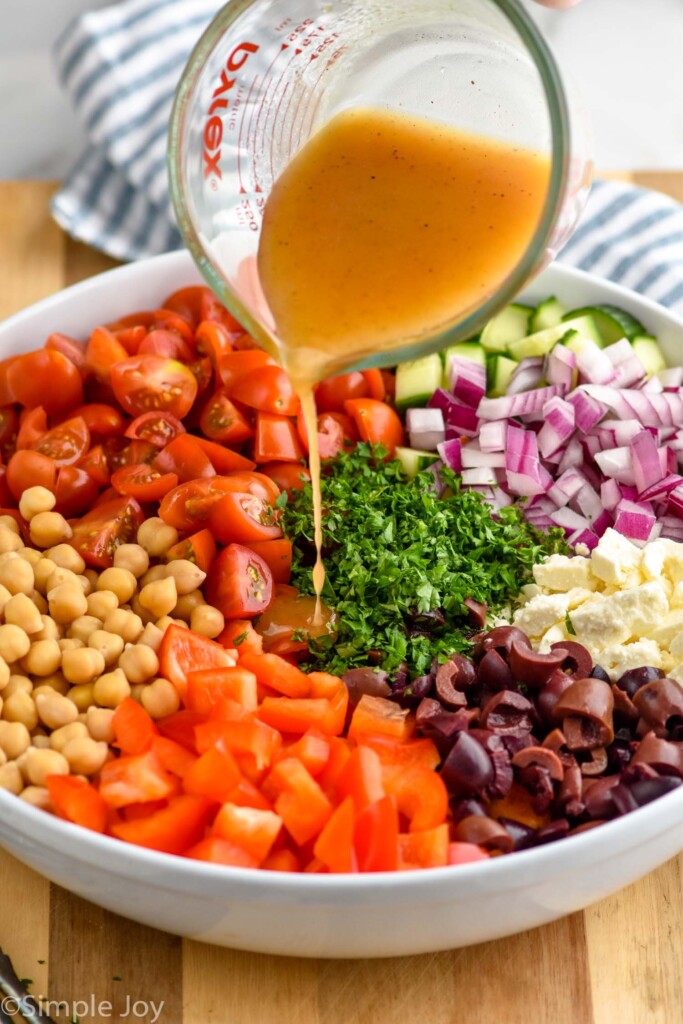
<point x="267" y="74"/>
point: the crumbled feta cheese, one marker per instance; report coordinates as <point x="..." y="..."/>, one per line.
<point x="668" y="628"/>
<point x="622" y="657"/>
<point x="555" y="635"/>
<point x="541" y="613"/>
<point x="562" y="573"/>
<point x="614" y="557"/>
<point x="599" y="623"/>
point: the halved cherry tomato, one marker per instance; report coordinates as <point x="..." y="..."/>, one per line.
<point x="240" y="584"/>
<point x="141" y="318"/>
<point x="187" y="302"/>
<point x="75" y="491"/>
<point x="94" y="462"/>
<point x="377" y="422"/>
<point x="277" y="554"/>
<point x="268" y="389"/>
<point x="131" y="338"/>
<point x="170" y="320"/>
<point x="234" y="366"/>
<point x="102" y="352"/>
<point x="331" y="393"/>
<point x="76" y="800"/>
<point x="69" y="347"/>
<point x="7" y="396"/>
<point x="188" y="506"/>
<point x="66" y="443"/>
<point x="223" y="459"/>
<point x="99" y="533"/>
<point x="254" y="483"/>
<point x="147" y="382"/>
<point x="276" y="438"/>
<point x="211" y="309"/>
<point x="336" y="432"/>
<point x="103" y="420"/>
<point x="30" y="469"/>
<point x="200" y="549"/>
<point x="157" y="428"/>
<point x="240" y="518"/>
<point x="184" y="457"/>
<point x="245" y="343"/>
<point x="389" y="381"/>
<point x="5" y="493"/>
<point x="121" y="454"/>
<point x="9" y="425"/>
<point x="143" y="482"/>
<point x="46" y="378"/>
<point x="289" y="476"/>
<point x="172" y="829"/>
<point x="166" y="343"/>
<point x="221" y="420"/>
<point x="375" y="382"/>
<point x="213" y="340"/>
<point x="32" y="426"/>
<point x="202" y="372"/>
<point x="133" y="728"/>
<point x="183" y="651"/>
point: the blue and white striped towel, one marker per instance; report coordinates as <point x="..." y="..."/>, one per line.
<point x="120" y="66"/>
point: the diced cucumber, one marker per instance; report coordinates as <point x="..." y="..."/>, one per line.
<point x="509" y="325"/>
<point x="471" y="350"/>
<point x="547" y="314"/>
<point x="650" y="354"/>
<point x="417" y="381"/>
<point x="541" y="343"/>
<point x="499" y="369"/>
<point x="612" y="322"/>
<point x="413" y="461"/>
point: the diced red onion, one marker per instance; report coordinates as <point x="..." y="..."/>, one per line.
<point x="438" y="487"/>
<point x="634" y="520"/>
<point x="473" y="458"/>
<point x="602" y="522"/>
<point x="467" y="380"/>
<point x="675" y="503"/>
<point x="584" y="536"/>
<point x="610" y="494"/>
<point x="661" y="488"/>
<point x="610" y="397"/>
<point x="463" y="418"/>
<point x="450" y="452"/>
<point x="481" y="477"/>
<point x="558" y="426"/>
<point x="587" y="502"/>
<point x="516" y="405"/>
<point x="588" y="410"/>
<point x="671" y="377"/>
<point x="426" y="428"/>
<point x="652" y="385"/>
<point x="647" y="469"/>
<point x="527" y="374"/>
<point x="495" y="496"/>
<point x="492" y="436"/>
<point x="560" y="367"/>
<point x="573" y="455"/>
<point x="591" y="445"/>
<point x="594" y="365"/>
<point x="623" y="431"/>
<point x="617" y="463"/>
<point x="570" y="520"/>
<point x="567" y="486"/>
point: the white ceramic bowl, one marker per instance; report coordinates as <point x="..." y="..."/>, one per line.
<point x="343" y="915"/>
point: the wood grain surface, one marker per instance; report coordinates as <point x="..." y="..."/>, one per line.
<point x="619" y="962"/>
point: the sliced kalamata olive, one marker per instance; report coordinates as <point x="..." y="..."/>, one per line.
<point x="659" y="701"/>
<point x="447" y="678"/>
<point x="476" y="613"/>
<point x="549" y="695"/>
<point x="498" y="639"/>
<point x="632" y="680"/>
<point x="503" y="776"/>
<point x="578" y="662"/>
<point x="597" y="796"/>
<point x="554" y="830"/>
<point x="647" y="790"/>
<point x="557" y="742"/>
<point x="619" y="755"/>
<point x="467" y="770"/>
<point x="599" y="673"/>
<point x="623" y="799"/>
<point x="531" y="668"/>
<point x="484" y="832"/>
<point x="466" y="806"/>
<point x="570" y="793"/>
<point x="442" y="726"/>
<point x="427" y="621"/>
<point x="366" y="681"/>
<point x="585" y="709"/>
<point x="375" y="657"/>
<point x="541" y="756"/>
<point x="596" y="763"/>
<point x="508" y="712"/>
<point x="625" y="710"/>
<point x="536" y="779"/>
<point x="462" y="672"/>
<point x="494" y="673"/>
<point x="400" y="676"/>
<point x="584" y="734"/>
<point x="522" y="835"/>
<point x="663" y="755"/>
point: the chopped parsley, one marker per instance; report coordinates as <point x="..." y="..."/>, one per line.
<point x="400" y="562"/>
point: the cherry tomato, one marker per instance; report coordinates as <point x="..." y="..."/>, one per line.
<point x="245" y="343"/>
<point x="186" y="302"/>
<point x="289" y="476"/>
<point x="241" y="518"/>
<point x="377" y="422"/>
<point x="211" y="309"/>
<point x="336" y="432"/>
<point x="143" y="318"/>
<point x="166" y="343"/>
<point x="65" y="443"/>
<point x="75" y="491"/>
<point x="202" y="372"/>
<point x="233" y="366"/>
<point x="254" y="483"/>
<point x="389" y="381"/>
<point x="69" y="347"/>
<point x="121" y="454"/>
<point x="268" y="389"/>
<point x="46" y="378"/>
<point x="169" y="320"/>
<point x="157" y="428"/>
<point x="187" y="507"/>
<point x="100" y="532"/>
<point x="375" y="382"/>
<point x="200" y="549"/>
<point x="224" y="460"/>
<point x="7" y="396"/>
<point x="103" y="420"/>
<point x="131" y="338"/>
<point x="276" y="438"/>
<point x="146" y="382"/>
<point x="331" y="393"/>
<point x="103" y="352"/>
<point x="240" y="583"/>
<point x="143" y="482"/>
<point x="30" y="469"/>
<point x="9" y="425"/>
<point x="32" y="426"/>
<point x="221" y="420"/>
<point x="213" y="340"/>
<point x="5" y="493"/>
<point x="277" y="554"/>
<point x="184" y="458"/>
<point x="95" y="464"/>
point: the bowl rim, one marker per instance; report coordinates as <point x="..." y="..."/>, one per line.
<point x="123" y="859"/>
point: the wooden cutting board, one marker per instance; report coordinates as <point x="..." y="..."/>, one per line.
<point x="619" y="962"/>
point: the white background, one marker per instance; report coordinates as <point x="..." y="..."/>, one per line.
<point x="626" y="57"/>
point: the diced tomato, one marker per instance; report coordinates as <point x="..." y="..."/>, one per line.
<point x="215" y="850"/>
<point x="69" y="347"/>
<point x="30" y="469"/>
<point x="188" y="506"/>
<point x="289" y="476"/>
<point x="77" y="801"/>
<point x="47" y="378"/>
<point x="276" y="438"/>
<point x="242" y="519"/>
<point x="200" y="549"/>
<point x="206" y="687"/>
<point x="7" y="396"/>
<point x="302" y="805"/>
<point x="100" y="419"/>
<point x="183" y="651"/>
<point x="251" y="829"/>
<point x="332" y="392"/>
<point x="221" y="420"/>
<point x="166" y="343"/>
<point x="146" y="382"/>
<point x="157" y="428"/>
<point x="334" y="846"/>
<point x="361" y="778"/>
<point x="171" y="320"/>
<point x="213" y="775"/>
<point x="102" y="353"/>
<point x="376" y="716"/>
<point x="376" y="836"/>
<point x="428" y="849"/>
<point x="134" y="779"/>
<point x="466" y="853"/>
<point x="133" y="728"/>
<point x="376" y="422"/>
<point x="99" y="533"/>
<point x="277" y="554"/>
<point x="143" y="482"/>
<point x="240" y="634"/>
<point x="173" y="829"/>
<point x="240" y="584"/>
<point x="223" y="459"/>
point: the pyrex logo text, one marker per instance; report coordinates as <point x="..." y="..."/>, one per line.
<point x="213" y="129"/>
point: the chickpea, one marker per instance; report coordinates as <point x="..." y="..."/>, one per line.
<point x="4" y="674"/>
<point x="42" y="572"/>
<point x="31" y="556"/>
<point x="163" y="623"/>
<point x="137" y="691"/>
<point x="41" y="763"/>
<point x="70" y="643"/>
<point x="9" y="540"/>
<point x="4" y="597"/>
<point x="85" y="755"/>
<point x="111" y="689"/>
<point x="43" y="659"/>
<point x="10" y="523"/>
<point x="160" y="698"/>
<point x="92" y="576"/>
<point x="21" y="611"/>
<point x="40" y="741"/>
<point x="17" y="684"/>
<point x="35" y="500"/>
<point x="139" y="662"/>
<point x="59" y="576"/>
<point x="86" y="585"/>
<point x="187" y="603"/>
<point x="132" y="557"/>
<point x="17" y="575"/>
<point x="20" y="708"/>
<point x="11" y="778"/>
<point x="66" y="557"/>
<point x="56" y="682"/>
<point x="156" y="536"/>
<point x="3" y="757"/>
<point x="126" y="624"/>
<point x="187" y="575"/>
<point x="110" y="645"/>
<point x="37" y="796"/>
<point x="151" y="636"/>
<point x="83" y="665"/>
<point x="67" y="602"/>
<point x="54" y="710"/>
<point x="99" y="723"/>
<point x="83" y="627"/>
<point x="159" y="597"/>
<point x="14" y="739"/>
<point x="50" y="630"/>
<point x="60" y="737"/>
<point x="83" y="695"/>
<point x="144" y="613"/>
<point x="40" y="602"/>
<point x="207" y="620"/>
<point x="48" y="529"/>
<point x="14" y="643"/>
<point x="121" y="582"/>
<point x="100" y="603"/>
<point x="156" y="572"/>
